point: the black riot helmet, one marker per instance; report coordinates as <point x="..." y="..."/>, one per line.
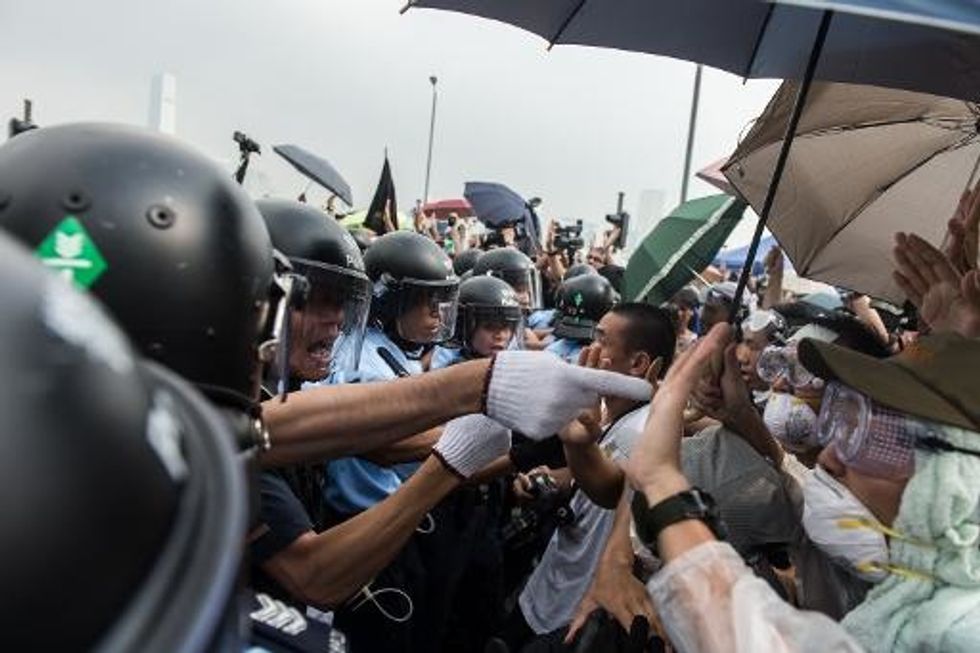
<point x="582" y="301"/>
<point x="577" y="270"/>
<point x="327" y="332"/>
<point x="514" y="267"/>
<point x="123" y="503"/>
<point x="490" y="303"/>
<point x="410" y="272"/>
<point x="175" y="249"/>
<point x="465" y="260"/>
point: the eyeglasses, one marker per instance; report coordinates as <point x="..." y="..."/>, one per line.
<point x="874" y="439"/>
<point x="781" y="362"/>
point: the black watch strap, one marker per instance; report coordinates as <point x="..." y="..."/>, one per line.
<point x="689" y="504"/>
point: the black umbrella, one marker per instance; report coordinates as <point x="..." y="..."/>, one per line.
<point x="317" y="169"/>
<point x="498" y="206"/>
<point x="918" y="46"/>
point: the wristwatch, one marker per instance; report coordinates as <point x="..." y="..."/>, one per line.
<point x="689" y="504"/>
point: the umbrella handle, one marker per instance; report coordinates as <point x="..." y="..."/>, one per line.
<point x="777" y="173"/>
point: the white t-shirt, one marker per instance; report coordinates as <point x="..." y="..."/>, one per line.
<point x="559" y="582"/>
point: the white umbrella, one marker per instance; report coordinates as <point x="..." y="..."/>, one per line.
<point x="866" y="162"/>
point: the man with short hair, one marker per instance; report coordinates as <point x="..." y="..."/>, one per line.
<point x="634" y="339"/>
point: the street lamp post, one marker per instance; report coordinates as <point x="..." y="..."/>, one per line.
<point x="690" y="132"/>
<point x="432" y="129"/>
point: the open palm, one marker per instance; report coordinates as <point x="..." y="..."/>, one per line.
<point x="947" y="300"/>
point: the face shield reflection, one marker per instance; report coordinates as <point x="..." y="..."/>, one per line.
<point x="489" y="329"/>
<point x="427" y="313"/>
<point x="527" y="285"/>
<point x="327" y="334"/>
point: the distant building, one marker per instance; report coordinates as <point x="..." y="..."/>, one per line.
<point x="163" y="104"/>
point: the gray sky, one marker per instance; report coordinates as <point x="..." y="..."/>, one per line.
<point x="347" y="78"/>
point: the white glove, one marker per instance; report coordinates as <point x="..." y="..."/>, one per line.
<point x="537" y="393"/>
<point x="470" y="443"/>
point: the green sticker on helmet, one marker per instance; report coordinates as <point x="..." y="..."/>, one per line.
<point x="72" y="253"/>
<point x="578" y="299"/>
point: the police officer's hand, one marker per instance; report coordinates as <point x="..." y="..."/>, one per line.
<point x="523" y="485"/>
<point x="536" y="393"/>
<point x="470" y="443"/>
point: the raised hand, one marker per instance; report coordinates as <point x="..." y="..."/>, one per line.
<point x="964" y="233"/>
<point x="947" y="300"/>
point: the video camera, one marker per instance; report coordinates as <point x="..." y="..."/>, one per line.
<point x="620" y="219"/>
<point x="569" y="239"/>
<point x="246" y="144"/>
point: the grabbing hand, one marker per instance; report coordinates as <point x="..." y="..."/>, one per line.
<point x="948" y="301"/>
<point x="619" y="593"/>
<point x="470" y="443"/>
<point x="726" y="397"/>
<point x="654" y="466"/>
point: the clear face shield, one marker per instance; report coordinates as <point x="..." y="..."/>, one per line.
<point x="288" y="293"/>
<point x="427" y="312"/>
<point x="489" y="329"/>
<point x="527" y="285"/>
<point x="326" y="334"/>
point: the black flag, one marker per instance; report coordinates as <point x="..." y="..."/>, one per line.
<point x="383" y="205"/>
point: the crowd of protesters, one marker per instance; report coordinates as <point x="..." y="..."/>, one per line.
<point x="256" y="429"/>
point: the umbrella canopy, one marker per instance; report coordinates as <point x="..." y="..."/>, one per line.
<point x="316" y="169"/>
<point x="680" y="246"/>
<point x="442" y="208"/>
<point x="712" y="174"/>
<point x="866" y="162"/>
<point x="894" y="43"/>
<point x="495" y="204"/>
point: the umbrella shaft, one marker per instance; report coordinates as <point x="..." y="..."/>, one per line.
<point x="777" y="172"/>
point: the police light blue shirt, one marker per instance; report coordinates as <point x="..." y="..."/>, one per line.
<point x="542" y="318"/>
<point x="445" y="357"/>
<point x="354" y="484"/>
<point x="566" y="349"/>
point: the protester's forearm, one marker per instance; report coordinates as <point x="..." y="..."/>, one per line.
<point x="619" y="549"/>
<point x="678" y="538"/>
<point x="500" y="467"/>
<point x="349" y="555"/>
<point x="411" y="449"/>
<point x="597" y="476"/>
<point x="332" y="421"/>
<point x="774" y="291"/>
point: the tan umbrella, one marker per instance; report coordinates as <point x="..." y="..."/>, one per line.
<point x="866" y="162"/>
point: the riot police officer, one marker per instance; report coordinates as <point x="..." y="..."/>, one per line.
<point x="514" y="267"/>
<point x="123" y="503"/>
<point x="488" y="320"/>
<point x="582" y="301"/>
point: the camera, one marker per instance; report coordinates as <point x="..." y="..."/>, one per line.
<point x="546" y="510"/>
<point x="620" y="219"/>
<point x="246" y="144"/>
<point x="569" y="238"/>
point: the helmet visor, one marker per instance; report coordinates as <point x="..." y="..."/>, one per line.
<point x="527" y="285"/>
<point x="327" y="332"/>
<point x="288" y="291"/>
<point x="427" y="312"/>
<point x="487" y="329"/>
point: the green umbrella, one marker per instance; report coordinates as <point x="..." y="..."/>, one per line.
<point x="681" y="245"/>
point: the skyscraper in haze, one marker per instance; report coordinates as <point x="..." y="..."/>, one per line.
<point x="163" y="103"/>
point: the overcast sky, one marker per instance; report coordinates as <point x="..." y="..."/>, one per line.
<point x="348" y="78"/>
